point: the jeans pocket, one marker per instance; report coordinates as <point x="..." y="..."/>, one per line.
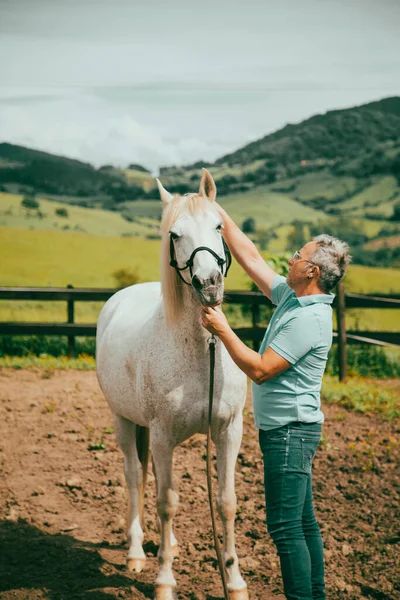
<point x="274" y="436"/>
<point x="275" y="453"/>
<point x="308" y="449"/>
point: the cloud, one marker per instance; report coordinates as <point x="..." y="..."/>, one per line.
<point x="88" y="129"/>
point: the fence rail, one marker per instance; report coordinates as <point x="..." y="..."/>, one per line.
<point x="70" y="295"/>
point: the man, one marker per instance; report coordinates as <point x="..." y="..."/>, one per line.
<point x="287" y="375"/>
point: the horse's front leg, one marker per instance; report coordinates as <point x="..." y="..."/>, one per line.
<point x="228" y="444"/>
<point x="167" y="503"/>
<point x="126" y="433"/>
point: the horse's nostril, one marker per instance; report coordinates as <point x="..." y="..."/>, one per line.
<point x="197" y="283"/>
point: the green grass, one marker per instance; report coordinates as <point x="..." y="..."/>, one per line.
<point x="82" y="362"/>
<point x="369" y="227"/>
<point x="322" y="184"/>
<point x="379" y="192"/>
<point x="364" y="396"/>
<point x="383" y="209"/>
<point x="150" y="209"/>
<point x="85" y="220"/>
<point x="53" y="258"/>
<point x="267" y="208"/>
<point x="370" y="280"/>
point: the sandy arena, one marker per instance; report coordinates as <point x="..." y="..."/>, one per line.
<point x="63" y="502"/>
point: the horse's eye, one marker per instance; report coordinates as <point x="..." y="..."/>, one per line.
<point x="219" y="227"/>
<point x="174" y="236"/>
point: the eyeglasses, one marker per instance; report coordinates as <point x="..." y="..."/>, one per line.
<point x="296" y="256"/>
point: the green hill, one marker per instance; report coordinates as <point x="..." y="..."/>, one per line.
<point x="338" y="133"/>
<point x="342" y="167"/>
<point x="42" y="172"/>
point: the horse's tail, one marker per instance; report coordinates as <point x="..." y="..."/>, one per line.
<point x="142" y="446"/>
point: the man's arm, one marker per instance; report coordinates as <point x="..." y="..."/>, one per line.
<point x="258" y="368"/>
<point x="247" y="254"/>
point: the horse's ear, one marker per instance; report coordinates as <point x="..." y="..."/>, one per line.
<point x="207" y="186"/>
<point x="166" y="197"/>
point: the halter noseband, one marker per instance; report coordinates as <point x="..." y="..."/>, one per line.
<point x="189" y="263"/>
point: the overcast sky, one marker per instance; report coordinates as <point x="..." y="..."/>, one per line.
<point x="163" y="82"/>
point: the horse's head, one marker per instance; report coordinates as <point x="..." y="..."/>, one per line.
<point x="193" y="251"/>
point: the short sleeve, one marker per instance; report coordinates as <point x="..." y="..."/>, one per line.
<point x="278" y="289"/>
<point x="297" y="337"/>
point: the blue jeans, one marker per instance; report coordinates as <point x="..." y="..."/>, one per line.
<point x="288" y="453"/>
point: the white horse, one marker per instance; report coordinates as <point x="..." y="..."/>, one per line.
<point x="153" y="367"/>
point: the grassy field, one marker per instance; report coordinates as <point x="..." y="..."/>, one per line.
<point x="267" y="208"/>
<point x="53" y="258"/>
<point x="79" y="219"/>
<point x="322" y="184"/>
<point x="270" y="210"/>
<point x="379" y="192"/>
<point x="383" y="209"/>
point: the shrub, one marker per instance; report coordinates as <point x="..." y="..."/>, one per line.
<point x="396" y="212"/>
<point x="367" y="361"/>
<point x="296" y="237"/>
<point x="362" y="396"/>
<point x="249" y="225"/>
<point x="128" y="217"/>
<point x="25" y="345"/>
<point x="30" y="203"/>
<point x="62" y="212"/>
<point x="125" y="277"/>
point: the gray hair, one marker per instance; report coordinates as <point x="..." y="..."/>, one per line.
<point x="332" y="257"/>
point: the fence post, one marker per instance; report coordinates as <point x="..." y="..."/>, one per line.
<point x="255" y="315"/>
<point x="70" y="319"/>
<point x="341" y="325"/>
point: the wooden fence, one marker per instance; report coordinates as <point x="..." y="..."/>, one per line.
<point x="70" y="295"/>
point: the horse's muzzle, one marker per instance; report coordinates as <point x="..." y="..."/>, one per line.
<point x="210" y="295"/>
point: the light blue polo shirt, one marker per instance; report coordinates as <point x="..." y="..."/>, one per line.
<point x="300" y="330"/>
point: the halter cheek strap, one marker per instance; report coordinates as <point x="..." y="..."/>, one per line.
<point x="189" y="263"/>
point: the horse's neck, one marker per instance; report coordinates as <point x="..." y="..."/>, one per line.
<point x="190" y="319"/>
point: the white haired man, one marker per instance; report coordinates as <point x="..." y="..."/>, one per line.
<point x="287" y="375"/>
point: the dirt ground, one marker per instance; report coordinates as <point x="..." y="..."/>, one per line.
<point x="63" y="502"/>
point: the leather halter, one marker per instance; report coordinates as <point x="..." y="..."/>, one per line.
<point x="189" y="263"/>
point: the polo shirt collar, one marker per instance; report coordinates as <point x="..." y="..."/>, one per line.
<point x="315" y="299"/>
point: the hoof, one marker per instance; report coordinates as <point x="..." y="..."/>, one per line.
<point x="135" y="564"/>
<point x="164" y="592"/>
<point x="175" y="550"/>
<point x="239" y="594"/>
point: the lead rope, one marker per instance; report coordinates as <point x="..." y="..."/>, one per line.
<point x="212" y="342"/>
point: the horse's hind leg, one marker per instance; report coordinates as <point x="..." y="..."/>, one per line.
<point x="126" y="433"/>
<point x="228" y="444"/>
<point x="167" y="503"/>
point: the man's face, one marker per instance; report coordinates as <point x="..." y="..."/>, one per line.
<point x="300" y="265"/>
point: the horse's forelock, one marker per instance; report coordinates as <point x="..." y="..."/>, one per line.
<point x="179" y="205"/>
